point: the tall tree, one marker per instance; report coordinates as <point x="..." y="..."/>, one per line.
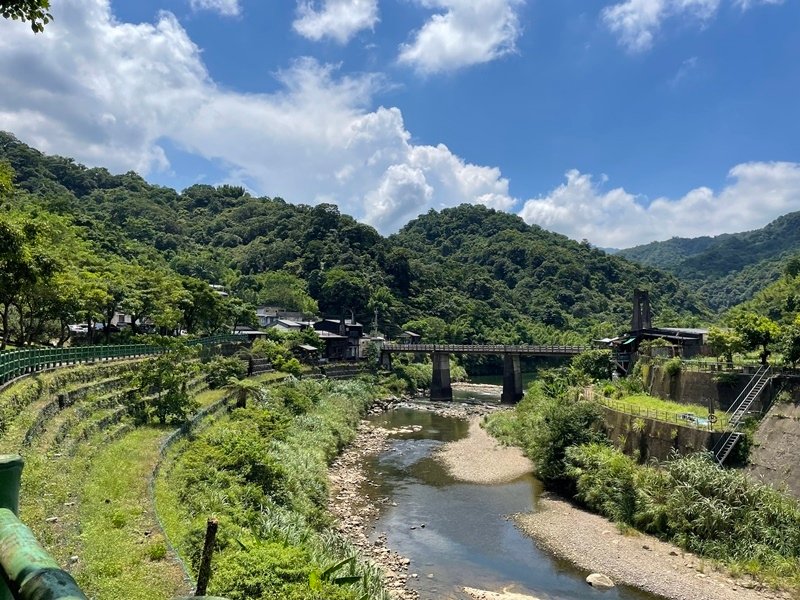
<point x="756" y="331"/>
<point x="24" y="261"/>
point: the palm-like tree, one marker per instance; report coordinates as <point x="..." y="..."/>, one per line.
<point x="245" y="388"/>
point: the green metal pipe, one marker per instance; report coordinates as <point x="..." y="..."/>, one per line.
<point x="10" y="475"/>
<point x="29" y="572"/>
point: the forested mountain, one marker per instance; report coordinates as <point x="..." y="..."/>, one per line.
<point x="727" y="269"/>
<point x="465" y="274"/>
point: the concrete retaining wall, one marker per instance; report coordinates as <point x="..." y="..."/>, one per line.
<point x="647" y="438"/>
<point x="689" y="387"/>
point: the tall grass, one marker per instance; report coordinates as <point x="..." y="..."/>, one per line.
<point x="717" y="513"/>
<point x="262" y="472"/>
<point x="714" y="512"/>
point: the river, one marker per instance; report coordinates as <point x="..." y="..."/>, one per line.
<point x="456" y="534"/>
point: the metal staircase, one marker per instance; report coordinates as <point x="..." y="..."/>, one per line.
<point x="737" y="412"/>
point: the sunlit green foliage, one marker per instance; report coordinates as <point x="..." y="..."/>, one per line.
<point x="467" y="274"/>
<point x="263" y="473"/>
<point x="34" y="11"/>
<point x="162" y="385"/>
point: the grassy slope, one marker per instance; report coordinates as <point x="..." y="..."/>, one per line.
<point x="122" y="552"/>
<point x="92" y="503"/>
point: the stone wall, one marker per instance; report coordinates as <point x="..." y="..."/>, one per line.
<point x="647" y="438"/>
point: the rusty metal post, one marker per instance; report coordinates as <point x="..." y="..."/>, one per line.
<point x="204" y="573"/>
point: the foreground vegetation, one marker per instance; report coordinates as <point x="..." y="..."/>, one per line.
<point x="717" y="513"/>
<point x="261" y="472"/>
<point x="85" y="482"/>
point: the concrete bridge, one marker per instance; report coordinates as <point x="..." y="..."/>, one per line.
<point x="441" y="388"/>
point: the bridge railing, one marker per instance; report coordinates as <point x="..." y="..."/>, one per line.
<point x="16" y="363"/>
<point x="487" y="349"/>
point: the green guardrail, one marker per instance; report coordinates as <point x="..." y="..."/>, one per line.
<point x="16" y="363"/>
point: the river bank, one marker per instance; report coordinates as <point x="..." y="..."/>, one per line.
<point x="593" y="543"/>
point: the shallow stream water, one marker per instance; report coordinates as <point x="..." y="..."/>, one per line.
<point x="457" y="534"/>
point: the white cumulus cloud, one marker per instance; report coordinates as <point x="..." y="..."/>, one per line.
<point x="228" y="8"/>
<point x="757" y="193"/>
<point x="467" y="32"/>
<point x="339" y="20"/>
<point x="107" y="93"/>
<point x="745" y="4"/>
<point x="636" y="22"/>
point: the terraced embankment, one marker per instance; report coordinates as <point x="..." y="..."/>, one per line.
<point x="85" y="486"/>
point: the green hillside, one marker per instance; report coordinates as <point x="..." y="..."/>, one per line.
<point x="727" y="269"/>
<point x="467" y="274"/>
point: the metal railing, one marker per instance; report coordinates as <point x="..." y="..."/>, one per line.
<point x="16" y="363"/>
<point x="686" y="418"/>
<point x="738" y="411"/>
<point x="528" y="350"/>
<point x="699" y="366"/>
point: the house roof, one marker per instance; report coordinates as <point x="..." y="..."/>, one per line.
<point x="346" y="322"/>
<point x="409" y="334"/>
<point x="327" y="335"/>
<point x="308" y="348"/>
<point x="246" y="331"/>
<point x="288" y="323"/>
<point x="689" y="330"/>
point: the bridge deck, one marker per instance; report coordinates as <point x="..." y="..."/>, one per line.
<point x="487" y="349"/>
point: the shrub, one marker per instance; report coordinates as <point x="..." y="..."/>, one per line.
<point x="726" y="379"/>
<point x="161" y="385"/>
<point x="548" y="426"/>
<point x="605" y="480"/>
<point x="673" y="366"/>
<point x="259" y="570"/>
<point x="593" y="365"/>
<point x="502" y="425"/>
<point x="221" y="369"/>
<point x="157" y="551"/>
<point x="263" y="473"/>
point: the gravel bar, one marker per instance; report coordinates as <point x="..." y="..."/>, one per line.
<point x="595" y="544"/>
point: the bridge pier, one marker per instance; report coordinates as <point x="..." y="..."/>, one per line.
<point x="440" y="383"/>
<point x="386" y="361"/>
<point x="512" y="379"/>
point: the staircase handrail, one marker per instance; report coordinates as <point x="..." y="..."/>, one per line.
<point x="732" y="422"/>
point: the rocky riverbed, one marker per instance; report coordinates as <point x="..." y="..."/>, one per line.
<point x="356" y="515"/>
<point x="587" y="540"/>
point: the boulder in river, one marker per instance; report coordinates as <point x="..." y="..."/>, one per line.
<point x="600" y="581"/>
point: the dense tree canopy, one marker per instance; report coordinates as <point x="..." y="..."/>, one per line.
<point x="484" y="274"/>
<point x="728" y="269"/>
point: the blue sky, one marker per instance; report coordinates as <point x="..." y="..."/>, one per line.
<point x="616" y="121"/>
